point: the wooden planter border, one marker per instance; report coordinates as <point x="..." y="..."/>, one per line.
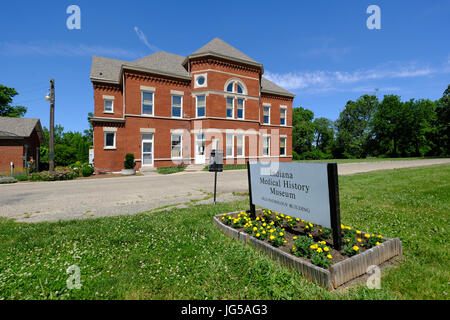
<point x="338" y="273"/>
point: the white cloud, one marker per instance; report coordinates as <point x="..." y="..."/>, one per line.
<point x="63" y="49"/>
<point x="322" y="80"/>
<point x="141" y="35"/>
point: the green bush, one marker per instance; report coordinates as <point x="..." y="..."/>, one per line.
<point x="21" y="177"/>
<point x="295" y="155"/>
<point x="129" y="161"/>
<point x="87" y="170"/>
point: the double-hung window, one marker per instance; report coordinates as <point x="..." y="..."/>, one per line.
<point x="282" y="116"/>
<point x="108" y="105"/>
<point x="230" y="145"/>
<point x="240" y="108"/>
<point x="147" y="103"/>
<point x="201" y="106"/>
<point x="266" y="114"/>
<point x="110" y="140"/>
<point x="240" y="149"/>
<point x="266" y="146"/>
<point x="230" y="108"/>
<point x="176" y="146"/>
<point x="177" y="106"/>
<point x="282" y="146"/>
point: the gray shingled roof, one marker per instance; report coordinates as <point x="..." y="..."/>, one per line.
<point x="220" y="47"/>
<point x="109" y="70"/>
<point x="20" y="127"/>
<point x="162" y="61"/>
<point x="268" y="86"/>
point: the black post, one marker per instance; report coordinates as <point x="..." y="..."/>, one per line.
<point x="51" y="153"/>
<point x="252" y="206"/>
<point x="215" y="183"/>
<point x="335" y="213"/>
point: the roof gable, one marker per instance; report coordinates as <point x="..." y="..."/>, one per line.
<point x="221" y="48"/>
<point x="20" y="127"/>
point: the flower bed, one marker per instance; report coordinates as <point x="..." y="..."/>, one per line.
<point x="296" y="241"/>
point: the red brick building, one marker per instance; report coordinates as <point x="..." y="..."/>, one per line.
<point x="168" y="109"/>
<point x="20" y="140"/>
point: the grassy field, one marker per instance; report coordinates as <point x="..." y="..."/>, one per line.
<point x="179" y="254"/>
<point x="169" y="170"/>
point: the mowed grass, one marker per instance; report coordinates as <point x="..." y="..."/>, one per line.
<point x="179" y="253"/>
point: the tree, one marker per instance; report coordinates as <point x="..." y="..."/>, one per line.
<point x="354" y="127"/>
<point x="442" y="125"/>
<point x="6" y="109"/>
<point x="303" y="130"/>
<point x="323" y="134"/>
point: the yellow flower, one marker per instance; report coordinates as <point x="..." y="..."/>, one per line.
<point x="298" y="219"/>
<point x="281" y="234"/>
<point x="329" y="256"/>
<point x="326" y="249"/>
<point x="282" y="215"/>
<point x="295" y="237"/>
<point x="377" y="243"/>
<point x="257" y="234"/>
<point x="293" y="248"/>
<point x="310" y="235"/>
<point x="358" y="232"/>
<point x="310" y="224"/>
<point x="264" y="224"/>
<point x="348" y="240"/>
<point x="380" y="236"/>
<point x="319" y="250"/>
<point x="264" y="232"/>
<point x="272" y="223"/>
<point x="313" y="246"/>
<point x="255" y="228"/>
<point x="359" y="240"/>
<point x="272" y="237"/>
<point x="356" y="248"/>
<point x="367" y="235"/>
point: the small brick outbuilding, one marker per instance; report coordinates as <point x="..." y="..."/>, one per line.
<point x="20" y="141"/>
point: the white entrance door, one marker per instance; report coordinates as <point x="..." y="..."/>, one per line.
<point x="147" y="150"/>
<point x="200" y="148"/>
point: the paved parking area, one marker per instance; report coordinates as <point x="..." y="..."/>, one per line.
<point x="79" y="199"/>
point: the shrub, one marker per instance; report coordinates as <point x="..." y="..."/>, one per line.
<point x="4" y="180"/>
<point x="295" y="155"/>
<point x="87" y="170"/>
<point x="129" y="161"/>
<point x="21" y="177"/>
<point x="302" y="245"/>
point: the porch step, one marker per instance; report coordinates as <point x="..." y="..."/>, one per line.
<point x="194" y="167"/>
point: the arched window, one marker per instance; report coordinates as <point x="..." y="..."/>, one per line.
<point x="235" y="86"/>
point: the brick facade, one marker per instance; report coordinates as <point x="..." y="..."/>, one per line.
<point x="130" y="126"/>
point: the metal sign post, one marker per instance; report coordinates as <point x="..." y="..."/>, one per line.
<point x="216" y="165"/>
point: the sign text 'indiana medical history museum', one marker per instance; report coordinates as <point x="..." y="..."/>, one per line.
<point x="300" y="190"/>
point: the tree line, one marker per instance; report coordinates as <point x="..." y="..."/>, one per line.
<point x="369" y="127"/>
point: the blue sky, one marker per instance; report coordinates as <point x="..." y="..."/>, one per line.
<point x="320" y="50"/>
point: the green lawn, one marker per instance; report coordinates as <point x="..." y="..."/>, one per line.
<point x="169" y="170"/>
<point x="179" y="254"/>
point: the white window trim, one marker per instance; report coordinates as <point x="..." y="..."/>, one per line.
<point x="105" y="132"/>
<point x="264" y="137"/>
<point x="270" y="111"/>
<point x="232" y="107"/>
<point x="232" y="145"/>
<point x="285" y="144"/>
<point x="181" y="146"/>
<point x="243" y="146"/>
<point x="196" y="106"/>
<point x="235" y="81"/>
<point x="196" y="76"/>
<point x="285" y="115"/>
<point x="181" y="111"/>
<point x="243" y="109"/>
<point x="142" y="102"/>
<point x="108" y="98"/>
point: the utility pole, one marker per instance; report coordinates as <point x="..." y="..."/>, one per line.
<point x="51" y="154"/>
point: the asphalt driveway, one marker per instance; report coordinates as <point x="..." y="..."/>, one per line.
<point x="80" y="199"/>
